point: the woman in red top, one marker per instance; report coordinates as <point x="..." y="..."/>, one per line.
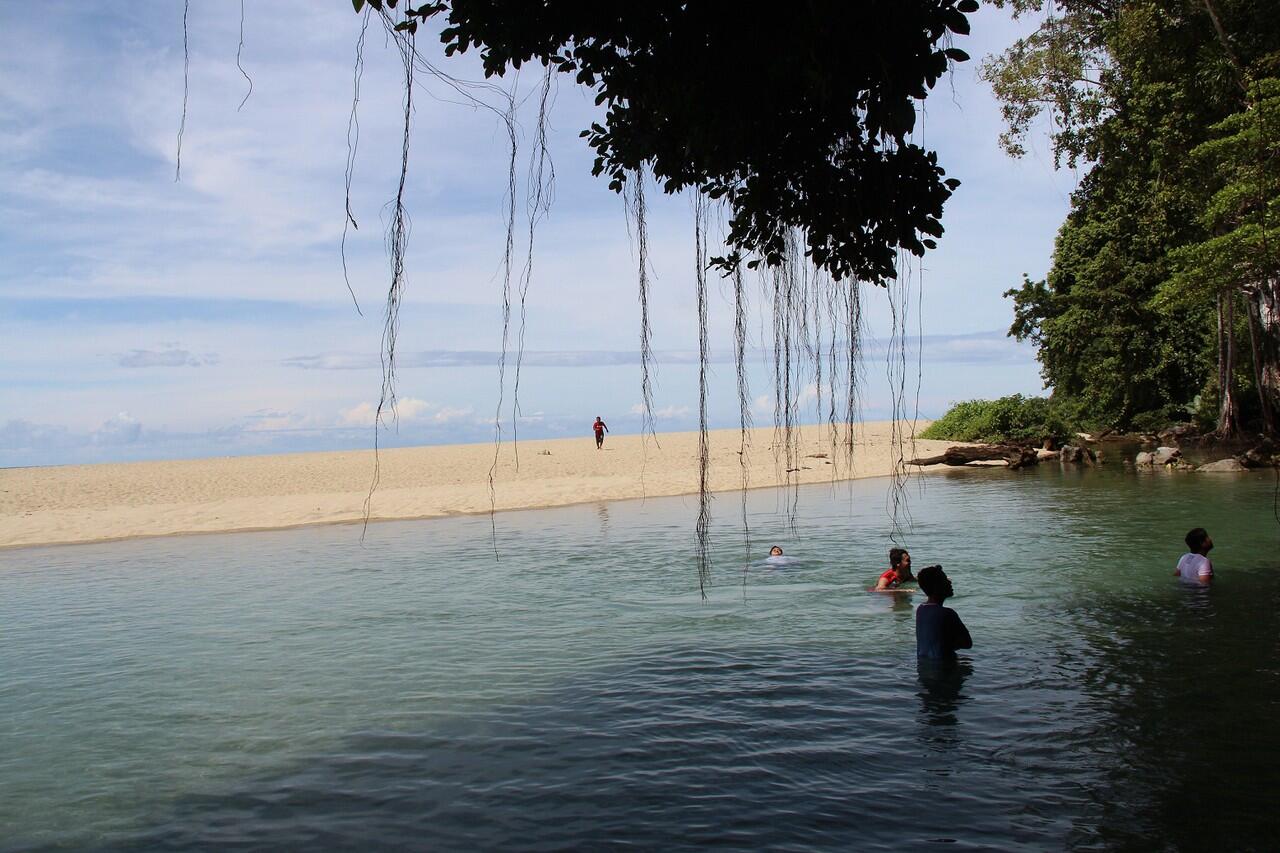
<point x="899" y="571"/>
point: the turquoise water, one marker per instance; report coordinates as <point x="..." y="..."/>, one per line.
<point x="299" y="688"/>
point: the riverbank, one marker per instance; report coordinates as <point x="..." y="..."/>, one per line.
<point x="91" y="503"/>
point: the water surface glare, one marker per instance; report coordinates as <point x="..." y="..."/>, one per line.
<point x="299" y="688"/>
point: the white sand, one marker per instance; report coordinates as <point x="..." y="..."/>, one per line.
<point x="86" y="503"/>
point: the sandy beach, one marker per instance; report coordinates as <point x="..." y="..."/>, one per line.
<point x="89" y="503"/>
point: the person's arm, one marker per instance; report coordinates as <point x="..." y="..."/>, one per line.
<point x="605" y="425"/>
<point x="1206" y="572"/>
<point x="960" y="638"/>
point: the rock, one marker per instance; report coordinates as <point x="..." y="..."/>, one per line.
<point x="1177" y="432"/>
<point x="1077" y="455"/>
<point x="1223" y="466"/>
<point x="1262" y="456"/>
<point x="1145" y="460"/>
<point x="1044" y="453"/>
<point x="1166" y="455"/>
<point x="1084" y="436"/>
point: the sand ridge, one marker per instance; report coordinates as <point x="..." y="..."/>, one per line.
<point x="87" y="503"/>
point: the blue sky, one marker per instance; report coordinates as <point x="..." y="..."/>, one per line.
<point x="148" y="318"/>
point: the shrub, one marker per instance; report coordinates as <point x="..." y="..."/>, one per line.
<point x="1009" y="419"/>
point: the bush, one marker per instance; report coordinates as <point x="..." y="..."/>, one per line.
<point x="1009" y="419"/>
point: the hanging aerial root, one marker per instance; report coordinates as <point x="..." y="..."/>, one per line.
<point x="508" y="259"/>
<point x="702" y="528"/>
<point x="744" y="405"/>
<point x="397" y="242"/>
<point x="353" y="144"/>
<point x="638" y="214"/>
<point x="186" y="88"/>
<point x="538" y="204"/>
<point x="239" y="51"/>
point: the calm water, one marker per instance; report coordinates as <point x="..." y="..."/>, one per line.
<point x="282" y="690"/>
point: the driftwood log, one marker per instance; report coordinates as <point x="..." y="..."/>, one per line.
<point x="1011" y="455"/>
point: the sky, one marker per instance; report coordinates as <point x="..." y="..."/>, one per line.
<point x="145" y="317"/>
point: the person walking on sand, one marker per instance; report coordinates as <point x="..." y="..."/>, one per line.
<point x="601" y="428"/>
<point x="939" y="631"/>
<point x="1195" y="567"/>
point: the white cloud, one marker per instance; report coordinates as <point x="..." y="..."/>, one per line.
<point x="664" y="413"/>
<point x="407" y="410"/>
<point x="268" y="420"/>
<point x="449" y="414"/>
<point x="19" y="434"/>
<point x="170" y="356"/>
<point x="120" y="429"/>
<point x="359" y="415"/>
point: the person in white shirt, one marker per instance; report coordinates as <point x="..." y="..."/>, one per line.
<point x="1195" y="567"/>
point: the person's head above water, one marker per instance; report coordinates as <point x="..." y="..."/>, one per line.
<point x="900" y="560"/>
<point x="935" y="583"/>
<point x="1199" y="542"/>
<point x="775" y="551"/>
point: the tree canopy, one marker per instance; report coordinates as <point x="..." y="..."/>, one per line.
<point x="797" y="119"/>
<point x="1137" y="91"/>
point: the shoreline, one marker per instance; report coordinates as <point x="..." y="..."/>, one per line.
<point x="85" y="504"/>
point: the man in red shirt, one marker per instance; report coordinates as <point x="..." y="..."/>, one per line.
<point x="600" y="428"/>
<point x="899" y="571"/>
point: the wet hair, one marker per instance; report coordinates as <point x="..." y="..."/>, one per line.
<point x="1196" y="538"/>
<point x="895" y="556"/>
<point x="777" y="548"/>
<point x="932" y="580"/>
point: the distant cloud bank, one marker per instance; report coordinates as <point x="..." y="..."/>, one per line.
<point x="974" y="348"/>
<point x="169" y="356"/>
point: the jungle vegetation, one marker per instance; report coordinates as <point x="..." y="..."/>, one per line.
<point x="1163" y="299"/>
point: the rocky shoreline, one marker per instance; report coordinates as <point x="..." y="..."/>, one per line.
<point x="1158" y="452"/>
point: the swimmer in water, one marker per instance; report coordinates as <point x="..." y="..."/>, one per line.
<point x="899" y="571"/>
<point x="775" y="551"/>
<point x="1195" y="567"/>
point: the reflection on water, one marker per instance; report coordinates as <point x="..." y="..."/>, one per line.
<point x="301" y="689"/>
<point x="1190" y="687"/>
<point x="941" y="683"/>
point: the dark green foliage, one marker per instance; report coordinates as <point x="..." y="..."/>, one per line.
<point x="1110" y="338"/>
<point x="1009" y="419"/>
<point x="799" y="119"/>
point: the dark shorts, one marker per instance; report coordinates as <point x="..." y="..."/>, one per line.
<point x="599" y="439"/>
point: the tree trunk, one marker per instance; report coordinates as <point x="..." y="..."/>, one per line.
<point x="1013" y="456"/>
<point x="1255" y="350"/>
<point x="1265" y="307"/>
<point x="1228" y="407"/>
